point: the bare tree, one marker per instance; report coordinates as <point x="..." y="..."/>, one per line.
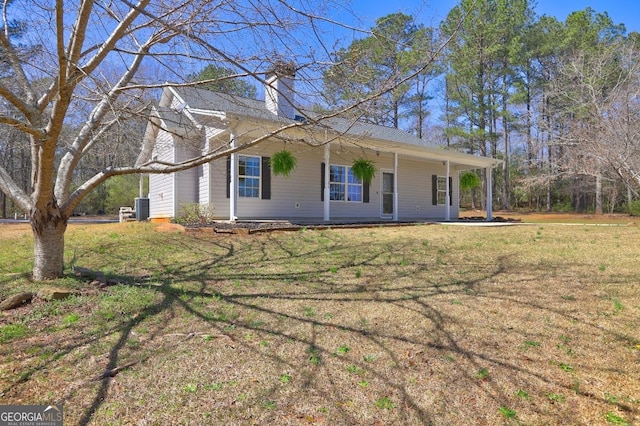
<point x="599" y="97"/>
<point x="620" y="147"/>
<point x="103" y="59"/>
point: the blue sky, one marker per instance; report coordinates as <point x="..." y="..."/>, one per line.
<point x="431" y="12"/>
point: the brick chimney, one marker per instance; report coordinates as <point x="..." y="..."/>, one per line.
<point x="279" y="90"/>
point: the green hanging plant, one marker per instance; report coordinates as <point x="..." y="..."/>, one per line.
<point x="283" y="162"/>
<point x="363" y="169"/>
<point x="469" y="180"/>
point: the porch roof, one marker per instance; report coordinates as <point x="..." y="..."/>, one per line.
<point x="366" y="135"/>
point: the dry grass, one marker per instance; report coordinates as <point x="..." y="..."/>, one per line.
<point x="530" y="324"/>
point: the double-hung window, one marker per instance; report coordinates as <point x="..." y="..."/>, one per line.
<point x="354" y="187"/>
<point x="343" y="185"/>
<point x="248" y="176"/>
<point x="442" y="190"/>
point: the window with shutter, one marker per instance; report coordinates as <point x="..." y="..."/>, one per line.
<point x="439" y="190"/>
<point x="254" y="177"/>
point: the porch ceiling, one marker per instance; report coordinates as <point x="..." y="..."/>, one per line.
<point x="457" y="160"/>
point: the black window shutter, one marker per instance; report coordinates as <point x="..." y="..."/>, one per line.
<point x="434" y="190"/>
<point x="266" y="178"/>
<point x="321" y="181"/>
<point x="228" y="177"/>
<point x="365" y="192"/>
<point x="450" y="191"/>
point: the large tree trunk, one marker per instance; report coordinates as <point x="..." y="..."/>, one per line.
<point x="48" y="231"/>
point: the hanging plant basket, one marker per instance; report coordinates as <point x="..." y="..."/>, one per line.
<point x="364" y="169"/>
<point x="283" y="162"/>
<point x="469" y="180"/>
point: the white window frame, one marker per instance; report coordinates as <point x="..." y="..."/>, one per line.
<point x="346" y="184"/>
<point x="245" y="176"/>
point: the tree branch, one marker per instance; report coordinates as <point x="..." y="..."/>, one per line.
<point x="75" y="153"/>
<point x="9" y="187"/>
<point x="21" y="125"/>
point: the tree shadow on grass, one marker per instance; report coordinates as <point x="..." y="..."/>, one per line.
<point x="309" y="298"/>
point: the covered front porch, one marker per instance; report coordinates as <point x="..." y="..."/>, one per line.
<point x="412" y="183"/>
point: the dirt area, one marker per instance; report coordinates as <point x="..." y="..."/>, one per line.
<point x="553" y="217"/>
<point x="170" y="227"/>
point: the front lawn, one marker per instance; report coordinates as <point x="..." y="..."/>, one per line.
<point x="525" y="324"/>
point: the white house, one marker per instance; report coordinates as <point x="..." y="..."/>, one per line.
<point x="413" y="181"/>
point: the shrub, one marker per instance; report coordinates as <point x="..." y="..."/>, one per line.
<point x="195" y="214"/>
<point x="633" y="208"/>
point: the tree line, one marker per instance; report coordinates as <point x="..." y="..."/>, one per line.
<point x="556" y="101"/>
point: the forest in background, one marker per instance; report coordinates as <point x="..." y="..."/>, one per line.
<point x="556" y="101"/>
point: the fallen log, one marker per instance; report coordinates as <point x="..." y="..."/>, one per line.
<point x="16" y="301"/>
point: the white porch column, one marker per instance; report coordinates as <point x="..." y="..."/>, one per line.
<point x="233" y="184"/>
<point x="327" y="203"/>
<point x="395" y="186"/>
<point x="489" y="194"/>
<point x="447" y="208"/>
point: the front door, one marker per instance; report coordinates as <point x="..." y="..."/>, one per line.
<point x="387" y="194"/>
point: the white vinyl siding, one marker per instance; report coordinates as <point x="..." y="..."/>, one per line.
<point x="206" y="190"/>
<point x="161" y="196"/>
<point x="413" y="189"/>
<point x="186" y="181"/>
<point x="203" y="172"/>
<point x="299" y="195"/>
<point x="168" y="193"/>
<point x="161" y="188"/>
<point x="415" y="192"/>
<point x="294" y="196"/>
<point x="218" y="188"/>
